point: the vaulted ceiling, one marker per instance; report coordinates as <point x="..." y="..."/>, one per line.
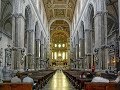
<point x="59" y="9"/>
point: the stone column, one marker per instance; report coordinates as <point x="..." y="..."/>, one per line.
<point x="99" y="36"/>
<point x="119" y="17"/>
<point x="37" y="54"/>
<point x="0" y="9"/>
<point x="118" y="65"/>
<point x="17" y="39"/>
<point x="30" y="48"/>
<point x="82" y="51"/>
<point x="42" y="54"/>
<point x="73" y="53"/>
<point x="77" y="51"/>
<point x="74" y="56"/>
<point x="42" y="51"/>
<point x="37" y="47"/>
<point x="100" y="33"/>
<point x="45" y="58"/>
<point x="88" y="47"/>
<point x="77" y="55"/>
<point x="45" y="52"/>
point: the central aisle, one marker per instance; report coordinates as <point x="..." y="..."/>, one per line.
<point x="59" y="82"/>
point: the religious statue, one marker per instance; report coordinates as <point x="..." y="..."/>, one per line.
<point x="7" y="67"/>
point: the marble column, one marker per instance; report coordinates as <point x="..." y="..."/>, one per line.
<point x="17" y="39"/>
<point x="45" y="58"/>
<point x="0" y="9"/>
<point x="42" y="51"/>
<point x="119" y="18"/>
<point x="37" y="54"/>
<point x="118" y="65"/>
<point x="88" y="35"/>
<point x="100" y="34"/>
<point x="119" y="23"/>
<point x="77" y="56"/>
<point x="74" y="53"/>
<point x="77" y="51"/>
<point x="42" y="55"/>
<point x="30" y="48"/>
<point x="98" y="37"/>
<point x="82" y="51"/>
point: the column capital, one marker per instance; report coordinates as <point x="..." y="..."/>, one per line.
<point x="29" y="54"/>
<point x="17" y="48"/>
<point x="37" y="39"/>
<point x="81" y="38"/>
<point x="18" y="15"/>
<point x="88" y="30"/>
<point x="30" y="30"/>
<point x="88" y="54"/>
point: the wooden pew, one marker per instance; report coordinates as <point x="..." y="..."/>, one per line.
<point x="15" y="86"/>
<point x="41" y="77"/>
<point x="101" y="86"/>
<point x="74" y="77"/>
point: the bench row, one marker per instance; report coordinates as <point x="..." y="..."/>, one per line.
<point x="39" y="77"/>
<point x="101" y="86"/>
<point x="76" y="80"/>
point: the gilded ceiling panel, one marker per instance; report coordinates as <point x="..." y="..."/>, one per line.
<point x="63" y="9"/>
<point x="59" y="12"/>
<point x="59" y="1"/>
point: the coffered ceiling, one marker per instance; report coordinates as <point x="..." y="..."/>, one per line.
<point x="60" y="9"/>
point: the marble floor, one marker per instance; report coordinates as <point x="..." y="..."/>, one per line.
<point x="59" y="82"/>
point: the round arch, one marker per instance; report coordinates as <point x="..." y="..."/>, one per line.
<point x="90" y="13"/>
<point x="82" y="31"/>
<point x="53" y="20"/>
<point x="59" y="42"/>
